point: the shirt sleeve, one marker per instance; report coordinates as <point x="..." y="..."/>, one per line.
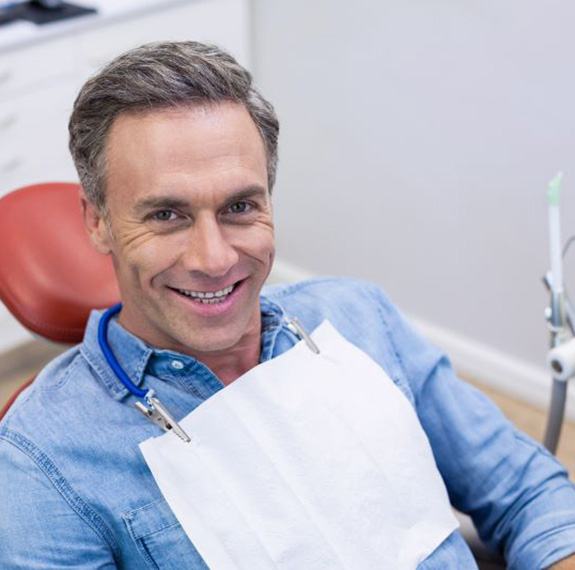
<point x="38" y="528"/>
<point x="518" y="495"/>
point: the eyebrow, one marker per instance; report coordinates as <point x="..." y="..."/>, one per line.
<point x="153" y="202"/>
<point x="173" y="202"/>
<point x="249" y="192"/>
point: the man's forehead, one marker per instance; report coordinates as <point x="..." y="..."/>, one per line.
<point x="197" y="147"/>
<point x="220" y="113"/>
<point x="198" y="132"/>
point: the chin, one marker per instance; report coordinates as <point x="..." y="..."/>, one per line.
<point x="209" y="344"/>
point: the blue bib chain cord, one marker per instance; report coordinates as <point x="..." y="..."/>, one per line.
<point x="153" y="409"/>
<point x="111" y="357"/>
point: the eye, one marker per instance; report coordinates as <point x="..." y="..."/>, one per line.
<point x="241" y="207"/>
<point x="164" y="216"/>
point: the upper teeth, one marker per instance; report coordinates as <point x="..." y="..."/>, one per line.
<point x="207" y="294"/>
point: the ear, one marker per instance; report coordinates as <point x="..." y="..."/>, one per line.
<point x="96" y="225"/>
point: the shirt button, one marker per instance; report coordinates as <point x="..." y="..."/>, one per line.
<point x="177" y="364"/>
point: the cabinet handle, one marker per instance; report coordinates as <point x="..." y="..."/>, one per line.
<point x="11" y="165"/>
<point x="5" y="76"/>
<point x="8" y="121"/>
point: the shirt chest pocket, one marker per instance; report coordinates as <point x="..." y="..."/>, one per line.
<point x="160" y="539"/>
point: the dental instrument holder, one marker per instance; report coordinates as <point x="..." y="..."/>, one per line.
<point x="556" y="317"/>
<point x="559" y="317"/>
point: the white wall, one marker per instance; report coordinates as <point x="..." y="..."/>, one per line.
<point x="417" y="140"/>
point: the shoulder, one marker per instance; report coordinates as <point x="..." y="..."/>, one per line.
<point x="39" y="441"/>
<point x="353" y="306"/>
<point x="59" y="409"/>
<point x="325" y="293"/>
<point x="49" y="383"/>
<point x="358" y="309"/>
<point x="46" y="411"/>
<point x="362" y="312"/>
<point x="317" y="285"/>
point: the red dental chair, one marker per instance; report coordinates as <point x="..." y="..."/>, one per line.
<point x="50" y="275"/>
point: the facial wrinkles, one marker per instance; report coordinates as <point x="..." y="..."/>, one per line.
<point x="133" y="236"/>
<point x="265" y="238"/>
<point x="262" y="227"/>
<point x="136" y="243"/>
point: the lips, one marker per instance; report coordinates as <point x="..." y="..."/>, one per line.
<point x="208" y="297"/>
<point x="213" y="297"/>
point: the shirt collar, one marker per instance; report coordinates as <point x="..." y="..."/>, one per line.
<point x="136" y="357"/>
<point x="131" y="352"/>
<point x="273" y="318"/>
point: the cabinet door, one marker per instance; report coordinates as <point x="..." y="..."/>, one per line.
<point x="221" y="22"/>
<point x="35" y="66"/>
<point x="34" y="137"/>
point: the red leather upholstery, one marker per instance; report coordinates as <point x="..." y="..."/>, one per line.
<point x="50" y="275"/>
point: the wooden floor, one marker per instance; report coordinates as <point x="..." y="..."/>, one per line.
<point x="526" y="417"/>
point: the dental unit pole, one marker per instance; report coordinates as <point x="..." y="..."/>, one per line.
<point x="559" y="315"/>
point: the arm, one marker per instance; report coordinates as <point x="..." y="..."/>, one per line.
<point x="38" y="528"/>
<point x="518" y="495"/>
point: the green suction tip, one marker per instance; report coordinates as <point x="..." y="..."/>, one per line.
<point x="554" y="189"/>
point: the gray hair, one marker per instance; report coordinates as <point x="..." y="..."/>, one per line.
<point x="160" y="76"/>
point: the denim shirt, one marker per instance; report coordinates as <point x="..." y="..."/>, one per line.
<point x="75" y="490"/>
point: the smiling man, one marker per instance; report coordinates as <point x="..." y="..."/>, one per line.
<point x="177" y="152"/>
<point x="188" y="222"/>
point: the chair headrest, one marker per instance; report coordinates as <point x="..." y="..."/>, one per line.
<point x="50" y="275"/>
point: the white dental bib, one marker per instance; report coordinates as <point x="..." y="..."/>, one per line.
<point x="306" y="462"/>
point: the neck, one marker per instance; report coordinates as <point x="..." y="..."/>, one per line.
<point x="231" y="364"/>
<point x="227" y="364"/>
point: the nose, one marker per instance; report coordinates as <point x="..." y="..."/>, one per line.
<point x="208" y="251"/>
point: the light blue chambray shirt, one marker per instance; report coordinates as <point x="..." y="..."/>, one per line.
<point x="75" y="491"/>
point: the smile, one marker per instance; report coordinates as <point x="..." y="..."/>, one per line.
<point x="208" y="297"/>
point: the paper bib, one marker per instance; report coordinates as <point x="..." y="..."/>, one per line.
<point x="306" y="462"/>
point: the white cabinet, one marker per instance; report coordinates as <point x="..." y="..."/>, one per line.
<point x="39" y="82"/>
<point x="36" y="92"/>
<point x="223" y="22"/>
<point x="33" y="135"/>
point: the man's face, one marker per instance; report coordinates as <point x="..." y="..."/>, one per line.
<point x="189" y="226"/>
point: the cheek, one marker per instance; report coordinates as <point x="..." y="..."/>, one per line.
<point x="145" y="259"/>
<point x="257" y="243"/>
